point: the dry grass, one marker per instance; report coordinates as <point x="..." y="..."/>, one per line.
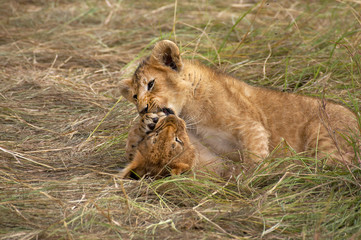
<point x="62" y="134"/>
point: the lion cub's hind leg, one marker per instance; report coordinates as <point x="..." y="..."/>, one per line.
<point x="329" y="147"/>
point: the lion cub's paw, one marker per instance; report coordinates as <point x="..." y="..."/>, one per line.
<point x="149" y="121"/>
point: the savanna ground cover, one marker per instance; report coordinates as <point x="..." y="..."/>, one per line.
<point x="63" y="124"/>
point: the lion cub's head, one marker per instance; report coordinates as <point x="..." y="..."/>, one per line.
<point x="157" y="83"/>
<point x="164" y="151"/>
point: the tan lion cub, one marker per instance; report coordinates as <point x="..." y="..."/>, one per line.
<point x="229" y="115"/>
<point x="158" y="145"/>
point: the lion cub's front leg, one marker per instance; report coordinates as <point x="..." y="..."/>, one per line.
<point x="139" y="131"/>
<point x="254" y="139"/>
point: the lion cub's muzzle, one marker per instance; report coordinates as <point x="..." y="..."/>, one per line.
<point x="167" y="111"/>
<point x="153" y="107"/>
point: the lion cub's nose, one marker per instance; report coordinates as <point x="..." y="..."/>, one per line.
<point x="151" y="126"/>
<point x="155" y="119"/>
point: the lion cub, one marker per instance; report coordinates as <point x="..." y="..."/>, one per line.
<point x="229" y="115"/>
<point x="158" y="145"/>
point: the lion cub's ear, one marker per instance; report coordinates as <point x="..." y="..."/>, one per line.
<point x="126" y="90"/>
<point x="167" y="53"/>
<point x="179" y="168"/>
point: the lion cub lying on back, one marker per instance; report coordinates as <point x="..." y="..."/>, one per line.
<point x="158" y="145"/>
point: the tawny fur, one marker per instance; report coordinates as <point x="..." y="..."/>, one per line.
<point x="231" y="116"/>
<point x="166" y="150"/>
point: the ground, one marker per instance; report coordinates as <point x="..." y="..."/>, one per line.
<point x="63" y="123"/>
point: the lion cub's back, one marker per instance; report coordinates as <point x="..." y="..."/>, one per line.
<point x="295" y="118"/>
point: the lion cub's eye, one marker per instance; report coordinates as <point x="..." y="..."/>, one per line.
<point x="135" y="97"/>
<point x="151" y="84"/>
<point x="178" y="140"/>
